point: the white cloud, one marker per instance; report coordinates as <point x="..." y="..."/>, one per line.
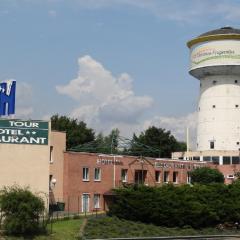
<point x="103" y="98"/>
<point x="52" y="13"/>
<point x="177" y="126"/>
<point x="107" y="102"/>
<point x="180" y="11"/>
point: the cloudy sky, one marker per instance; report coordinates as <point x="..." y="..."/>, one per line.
<point x="111" y="63"/>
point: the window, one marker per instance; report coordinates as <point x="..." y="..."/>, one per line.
<point x="215" y="160"/>
<point x="236" y="81"/>
<point x="196" y="158"/>
<point x="236" y="106"/>
<point x="188" y="177"/>
<point x="175" y="177"/>
<point x="226" y="160"/>
<point x="85" y="174"/>
<point x="97" y="174"/>
<point x="50" y="182"/>
<point x="237" y="143"/>
<point x="206" y="158"/>
<point x="214" y="82"/>
<point x="214" y="106"/>
<point x="124" y="175"/>
<point x="96" y="200"/>
<point x="166" y="177"/>
<point x="235" y="160"/>
<point x="85" y="202"/>
<point x="157" y="176"/>
<point x="51" y="154"/>
<point x="211" y="144"/>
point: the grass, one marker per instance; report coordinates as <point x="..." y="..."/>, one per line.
<point x="62" y="230"/>
<point x="112" y="227"/>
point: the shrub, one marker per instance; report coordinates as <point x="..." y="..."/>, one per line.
<point x="21" y="211"/>
<point x="197" y="206"/>
<point x="206" y="175"/>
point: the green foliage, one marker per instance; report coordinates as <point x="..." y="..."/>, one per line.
<point x="157" y="138"/>
<point x="113" y="227"/>
<point x="206" y="175"/>
<point x="21" y="211"/>
<point x="197" y="206"/>
<point x="77" y="131"/>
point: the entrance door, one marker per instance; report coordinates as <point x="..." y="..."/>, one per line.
<point x="140" y="176"/>
<point x="85" y="202"/>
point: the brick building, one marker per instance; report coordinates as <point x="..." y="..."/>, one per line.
<point x="89" y="178"/>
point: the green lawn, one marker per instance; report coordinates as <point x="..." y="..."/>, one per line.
<point x="107" y="227"/>
<point x="62" y="230"/>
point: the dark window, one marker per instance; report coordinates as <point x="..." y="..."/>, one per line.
<point x="214" y="82"/>
<point x="235" y="160"/>
<point x="200" y="84"/>
<point x="166" y="177"/>
<point x="226" y="160"/>
<point x="175" y="177"/>
<point x="237" y="143"/>
<point x="206" y="158"/>
<point x="196" y="158"/>
<point x="215" y="160"/>
<point x="157" y="176"/>
<point x="236" y="81"/>
<point x="236" y="106"/>
<point x="199" y="109"/>
<point x="211" y="144"/>
<point x="214" y="106"/>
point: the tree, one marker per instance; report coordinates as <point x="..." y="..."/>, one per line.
<point x="157" y="138"/>
<point x="77" y="131"/>
<point x="206" y="175"/>
<point x="21" y="211"/>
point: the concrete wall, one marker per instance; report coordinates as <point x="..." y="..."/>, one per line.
<point x="26" y="166"/>
<point x="58" y="143"/>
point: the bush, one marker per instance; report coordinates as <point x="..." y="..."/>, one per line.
<point x="197" y="206"/>
<point x="21" y="211"/>
<point x="206" y="175"/>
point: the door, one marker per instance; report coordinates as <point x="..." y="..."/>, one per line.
<point x="85" y="202"/>
<point x="140" y="176"/>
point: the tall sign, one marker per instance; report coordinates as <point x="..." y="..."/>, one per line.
<point x="7" y="97"/>
<point x="23" y="132"/>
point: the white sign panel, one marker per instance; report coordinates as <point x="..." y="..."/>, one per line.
<point x="215" y="53"/>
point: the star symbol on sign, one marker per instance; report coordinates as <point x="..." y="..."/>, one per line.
<point x="33" y="133"/>
<point x="27" y="132"/>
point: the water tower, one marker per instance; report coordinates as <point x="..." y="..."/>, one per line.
<point x="215" y="61"/>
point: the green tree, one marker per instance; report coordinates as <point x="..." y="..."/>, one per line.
<point x="21" y="211"/>
<point x="157" y="138"/>
<point x="77" y="131"/>
<point x="206" y="175"/>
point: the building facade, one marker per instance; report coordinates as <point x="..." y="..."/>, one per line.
<point x="88" y="178"/>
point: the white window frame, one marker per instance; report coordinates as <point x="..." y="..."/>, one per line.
<point x="88" y="204"/>
<point x="97" y="179"/>
<point x="96" y="200"/>
<point x="125" y="175"/>
<point x="85" y="178"/>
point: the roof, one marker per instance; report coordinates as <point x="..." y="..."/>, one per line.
<point x="223" y="30"/>
<point x="217" y="34"/>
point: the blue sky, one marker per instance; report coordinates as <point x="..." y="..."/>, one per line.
<point x="111" y="63"/>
